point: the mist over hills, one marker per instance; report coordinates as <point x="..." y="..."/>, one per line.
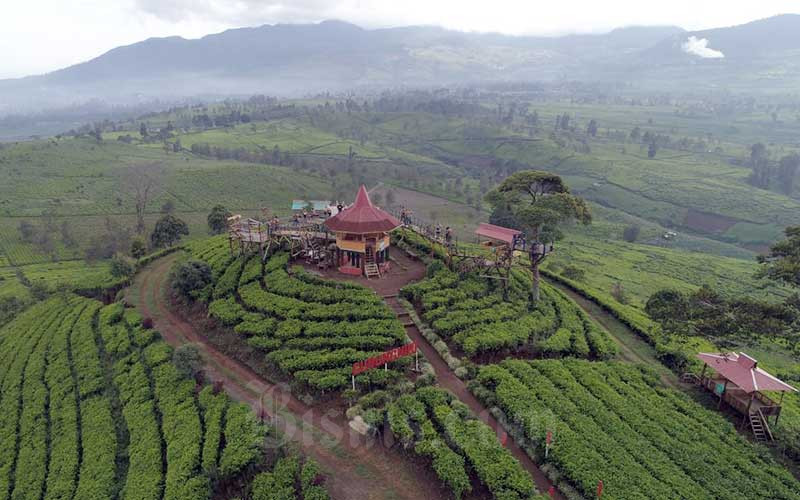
<point x="295" y="59"/>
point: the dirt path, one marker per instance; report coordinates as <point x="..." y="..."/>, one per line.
<point x="447" y="379"/>
<point x="405" y="271"/>
<point x="358" y="467"/>
<point x="632" y="348"/>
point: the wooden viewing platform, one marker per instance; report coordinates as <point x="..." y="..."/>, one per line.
<point x="739" y="382"/>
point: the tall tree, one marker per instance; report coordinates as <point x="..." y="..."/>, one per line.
<point x="143" y="182"/>
<point x="540" y="203"/>
<point x="782" y="263"/>
<point x="591" y="129"/>
<point x="168" y="231"/>
<point x="759" y="162"/>
<point x="787" y="170"/>
<point x="218" y="219"/>
<point x="652" y="149"/>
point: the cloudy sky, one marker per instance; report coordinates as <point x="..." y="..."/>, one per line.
<point x="37" y="36"/>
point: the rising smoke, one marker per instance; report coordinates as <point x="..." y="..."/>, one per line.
<point x="699" y="47"/>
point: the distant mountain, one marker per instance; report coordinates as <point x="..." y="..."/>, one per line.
<point x="293" y="59"/>
<point x="764" y="38"/>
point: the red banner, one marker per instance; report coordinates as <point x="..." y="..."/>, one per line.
<point x="382" y="359"/>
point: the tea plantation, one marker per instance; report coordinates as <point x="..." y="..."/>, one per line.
<point x="92" y="407"/>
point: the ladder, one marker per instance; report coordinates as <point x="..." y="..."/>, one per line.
<point x="370" y="267"/>
<point x="758" y="424"/>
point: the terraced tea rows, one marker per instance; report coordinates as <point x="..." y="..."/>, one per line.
<point x="92" y="407"/>
<point x="614" y="422"/>
<point x="473" y="315"/>
<point x="434" y="424"/>
<point x="311" y="330"/>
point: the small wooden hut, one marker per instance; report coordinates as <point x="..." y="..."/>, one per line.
<point x="738" y="381"/>
<point x="362" y="237"/>
<point x="491" y="235"/>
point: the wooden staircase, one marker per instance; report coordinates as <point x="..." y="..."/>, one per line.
<point x="759" y="426"/>
<point x="370" y="267"/>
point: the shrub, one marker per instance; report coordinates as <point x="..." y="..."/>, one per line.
<point x="121" y="267"/>
<point x="187" y="360"/>
<point x="618" y="292"/>
<point x="190" y="277"/>
<point x="573" y="273"/>
<point x="630" y="233"/>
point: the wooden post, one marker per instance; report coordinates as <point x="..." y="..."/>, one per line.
<point x="353" y="377"/>
<point x="749" y="404"/>
<point x="780" y="408"/>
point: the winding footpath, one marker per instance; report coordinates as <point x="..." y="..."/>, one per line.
<point x="407" y="271"/>
<point x="357" y="466"/>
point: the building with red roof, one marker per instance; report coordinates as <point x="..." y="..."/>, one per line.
<point x="362" y="236"/>
<point x="498" y="233"/>
<point x="738" y="381"/>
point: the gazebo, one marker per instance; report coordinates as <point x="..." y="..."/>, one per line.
<point x="362" y="237"/>
<point x="738" y="381"/>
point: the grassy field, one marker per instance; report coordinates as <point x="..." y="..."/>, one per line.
<point x="80" y="184"/>
<point x="644" y="269"/>
<point x="702" y="191"/>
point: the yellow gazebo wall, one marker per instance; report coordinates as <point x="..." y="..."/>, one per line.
<point x="359" y="245"/>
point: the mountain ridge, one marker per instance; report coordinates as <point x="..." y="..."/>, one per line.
<point x="296" y="59"/>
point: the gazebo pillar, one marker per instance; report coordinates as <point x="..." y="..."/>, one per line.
<point x="780" y="408"/>
<point x="749" y="404"/>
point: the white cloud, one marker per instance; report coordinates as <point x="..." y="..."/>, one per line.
<point x="699" y="47"/>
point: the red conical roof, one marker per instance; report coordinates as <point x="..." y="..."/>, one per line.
<point x="362" y="217"/>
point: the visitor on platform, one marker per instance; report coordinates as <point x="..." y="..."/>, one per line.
<point x="448" y="235"/>
<point x="339" y="207"/>
<point x="438" y="231"/>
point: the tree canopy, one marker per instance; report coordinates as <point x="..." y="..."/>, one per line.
<point x="723" y="320"/>
<point x="168" y="231"/>
<point x="190" y="278"/>
<point x="218" y="219"/>
<point x="782" y="263"/>
<point x="539" y="203"/>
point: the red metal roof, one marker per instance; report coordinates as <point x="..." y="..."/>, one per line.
<point x="743" y="371"/>
<point x="497" y="232"/>
<point x="362" y="217"/>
